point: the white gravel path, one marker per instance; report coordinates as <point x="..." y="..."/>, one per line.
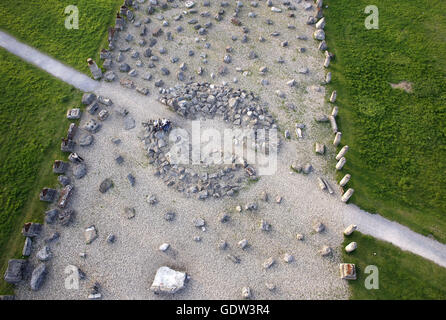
<point x="125" y="268"/>
<point x="50" y="65"/>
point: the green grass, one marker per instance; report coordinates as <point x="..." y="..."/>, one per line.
<point x="32" y="113"/>
<point x="33" y="105"/>
<point x="397" y="139"/>
<point x="402" y="275"/>
<point x="41" y="23"/>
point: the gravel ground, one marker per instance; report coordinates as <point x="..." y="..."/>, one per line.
<point x="126" y="268"/>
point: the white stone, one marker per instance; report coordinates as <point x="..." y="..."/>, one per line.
<point x="168" y="281"/>
<point x="351" y="247"/>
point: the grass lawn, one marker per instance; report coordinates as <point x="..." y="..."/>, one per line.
<point x="41" y="23"/>
<point x="32" y="113"/>
<point x="397" y="139"/>
<point x="402" y="275"/>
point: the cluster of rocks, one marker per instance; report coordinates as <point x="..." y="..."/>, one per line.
<point x="197" y="100"/>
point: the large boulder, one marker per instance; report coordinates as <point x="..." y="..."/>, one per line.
<point x="38" y="276"/>
<point x="14" y="272"/>
<point x="168" y="281"/>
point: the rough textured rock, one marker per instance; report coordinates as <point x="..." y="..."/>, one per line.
<point x="14" y="272"/>
<point x="38" y="276"/>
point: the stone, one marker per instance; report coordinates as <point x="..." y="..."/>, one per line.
<point x="129" y="123"/>
<point x="105" y="185"/>
<point x="86" y="140"/>
<point x="243" y="244"/>
<point x="347" y="195"/>
<point x="275" y="9"/>
<point x="251" y="206"/>
<point x="224" y="217"/>
<point x="51" y="215"/>
<point x="350" y="229"/>
<point x="342" y="152"/>
<point x="199" y="223"/>
<point x="320" y="148"/>
<point x="38" y="277"/>
<point x="79" y="170"/>
<point x="47" y="194"/>
<point x="14" y="271"/>
<point x="44" y="254"/>
<point x="268" y="263"/>
<point x="233" y="258"/>
<point x="340" y="164"/>
<point x="74" y="114"/>
<point x="66" y="216"/>
<point x="288" y="258"/>
<point x="168" y="281"/>
<point x="169" y="216"/>
<point x="351" y="247"/>
<point x="264" y="196"/>
<point x="152" y="200"/>
<point x="265" y="226"/>
<point x="31" y="229"/>
<point x="90" y="234"/>
<point x="300" y="237"/>
<point x="88" y="98"/>
<point x="270" y="286"/>
<point x="26" y="252"/>
<point x="319" y="34"/>
<point x="164" y="247"/>
<point x="320" y="24"/>
<point x="128" y="213"/>
<point x="246" y="293"/>
<point x="307" y="168"/>
<point x="348" y="271"/>
<point x="326" y="251"/>
<point x="319" y="227"/>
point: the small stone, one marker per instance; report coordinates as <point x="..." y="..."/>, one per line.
<point x="222" y="245"/>
<point x="300" y="237"/>
<point x="246" y="293"/>
<point x="105" y="185"/>
<point x="319" y="227"/>
<point x="350" y="229"/>
<point x="129" y="213"/>
<point x="90" y="234"/>
<point x="265" y="226"/>
<point x="351" y="247"/>
<point x="164" y="247"/>
<point x="152" y="200"/>
<point x="38" y="277"/>
<point x="268" y="263"/>
<point x="243" y="244"/>
<point x="169" y="216"/>
<point x="288" y="258"/>
<point x="326" y="251"/>
<point x="44" y="254"/>
<point x="270" y="286"/>
<point x="199" y="222"/>
<point x="26" y="252"/>
<point x="111" y="238"/>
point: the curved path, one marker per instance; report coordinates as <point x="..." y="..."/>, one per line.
<point x="371" y="224"/>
